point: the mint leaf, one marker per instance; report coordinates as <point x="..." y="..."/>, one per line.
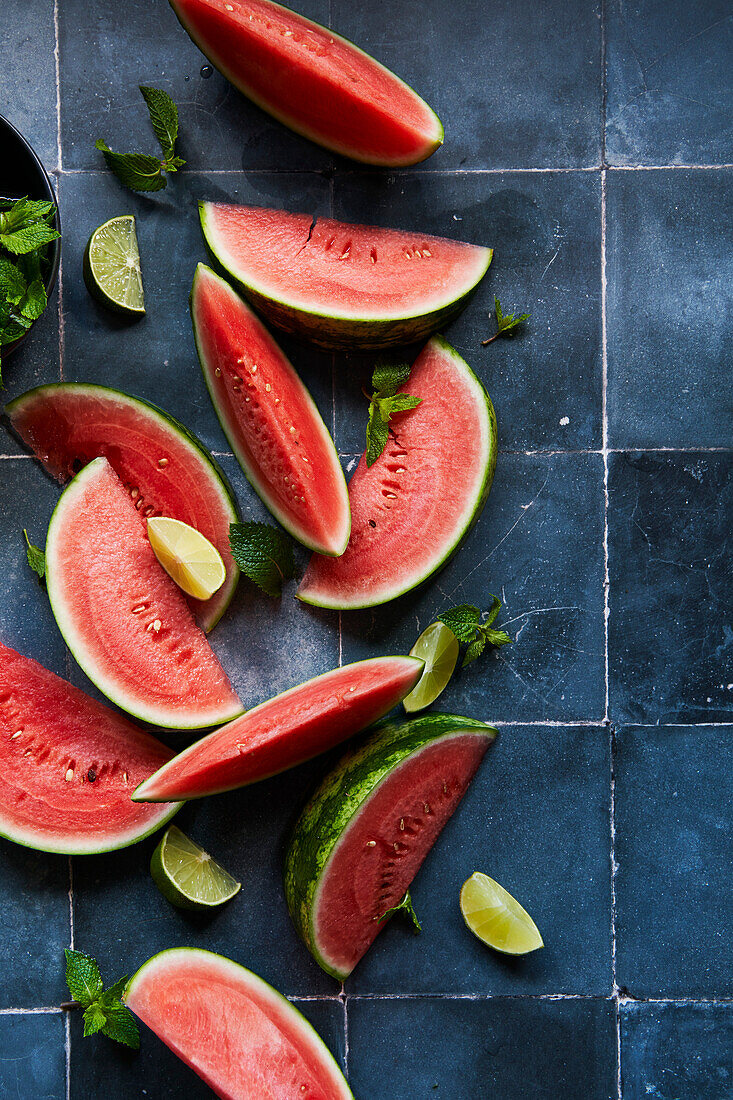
<point x="377" y="434"/>
<point x="465" y="622"/>
<point x="384" y="403"/>
<point x="506" y="323"/>
<point x="35" y="301"/>
<point x="401" y="402"/>
<point x="163" y="118"/>
<point x="13" y="285"/>
<point x="94" y="1019"/>
<point x="121" y="1026"/>
<point x="37" y="561"/>
<point x="82" y="977"/>
<point x="406" y="907"/>
<point x="263" y="553"/>
<point x="462" y="620"/>
<point x="388" y="377"/>
<point x="116" y="991"/>
<point x="28" y="238"/>
<point x="138" y="171"/>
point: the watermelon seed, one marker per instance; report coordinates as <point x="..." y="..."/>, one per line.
<point x="91" y="775"/>
<point x="277" y="400"/>
<point x="147" y="512"/>
<point x="402" y="824"/>
<point x="426" y="252"/>
<point x="135" y="492"/>
<point x="292" y="429"/>
<point x="418" y="253"/>
<point x="162" y="463"/>
<point x="69" y="775"/>
<point x="124" y="778"/>
<point x="371" y="844"/>
<point x="16" y="735"/>
<point x="268" y="387"/>
<point x="345" y="254"/>
<point x="426" y="807"/>
<point x="372" y="523"/>
<point x="373" y="255"/>
<point x="140" y="607"/>
<point x="408" y="255"/>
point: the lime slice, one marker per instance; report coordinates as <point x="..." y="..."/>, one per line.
<point x="112" y="267"/>
<point x="187" y="556"/>
<point x="495" y="917"/>
<point x="438" y="647"/>
<point x="187" y="875"/>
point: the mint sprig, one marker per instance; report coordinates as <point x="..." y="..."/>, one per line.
<point x="263" y="553"/>
<point x="384" y="403"/>
<point x="36" y="557"/>
<point x="103" y="1009"/>
<point x="506" y="323"/>
<point x="465" y="622"/>
<point x="406" y="907"/>
<point x="142" y="171"/>
<point x="25" y="233"/>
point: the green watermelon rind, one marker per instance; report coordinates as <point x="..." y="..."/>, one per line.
<point x="447" y="553"/>
<point x="328" y="329"/>
<point x="220" y="483"/>
<point x="310" y="407"/>
<point x="342" y="795"/>
<point x="335" y="147"/>
<point x="24" y="838"/>
<point x="241" y="973"/>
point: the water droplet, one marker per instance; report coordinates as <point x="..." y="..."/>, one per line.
<point x="206" y="71"/>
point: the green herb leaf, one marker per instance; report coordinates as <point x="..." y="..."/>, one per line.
<point x="138" y="171"/>
<point x="82" y="977"/>
<point x="506" y="323"/>
<point x="406" y="907"/>
<point x="121" y="1026"/>
<point x="35" y="301"/>
<point x="377" y="434"/>
<point x="37" y="561"/>
<point x="465" y="622"/>
<point x="13" y="284"/>
<point x="388" y="377"/>
<point x="264" y="554"/>
<point x="384" y="403"/>
<point x="28" y="238"/>
<point x="115" y="992"/>
<point x="94" y="1019"/>
<point x="163" y="118"/>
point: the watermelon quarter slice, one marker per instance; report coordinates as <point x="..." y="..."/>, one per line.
<point x="313" y="80"/>
<point x="367" y="829"/>
<point x="412" y="507"/>
<point x="342" y="285"/>
<point x="245" y="1040"/>
<point x="163" y="467"/>
<point x="269" y="418"/>
<point x="68" y="765"/>
<point x="286" y="730"/>
<point x="123" y="618"/>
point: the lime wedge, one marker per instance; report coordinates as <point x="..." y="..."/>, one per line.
<point x="112" y="267"/>
<point x="187" y="556"/>
<point x="187" y="875"/>
<point x="495" y="917"/>
<point x="438" y="647"/>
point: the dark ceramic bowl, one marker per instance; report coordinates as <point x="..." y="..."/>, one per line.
<point x="23" y="174"/>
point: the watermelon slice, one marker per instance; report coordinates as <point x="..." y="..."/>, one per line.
<point x="68" y="765"/>
<point x="245" y="1040"/>
<point x="269" y="418"/>
<point x="365" y="832"/>
<point x="286" y="730"/>
<point x="313" y="80"/>
<point x="122" y="617"/>
<point x="342" y="285"/>
<point x="410" y="510"/>
<point x="165" y="469"/>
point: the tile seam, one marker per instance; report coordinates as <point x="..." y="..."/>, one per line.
<point x="57" y="66"/>
<point x="432" y="171"/>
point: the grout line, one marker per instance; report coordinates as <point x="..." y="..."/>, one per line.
<point x="57" y="62"/>
<point x="346" y="1036"/>
<point x="426" y="171"/>
<point x="604" y="451"/>
<point x="667" y="167"/>
<point x="604" y="85"/>
<point x="624" y="1000"/>
<point x="67" y="1051"/>
<point x="71" y="903"/>
<point x="45" y="1010"/>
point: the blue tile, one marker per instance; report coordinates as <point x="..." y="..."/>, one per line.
<point x="470" y="65"/>
<point x="155" y="357"/>
<point x="669" y="342"/>
<point x="456" y="1050"/>
<point x="670" y="594"/>
<point x="546" y="381"/>
<point x="101" y="1068"/>
<point x="538" y="546"/>
<point x="123" y="46"/>
<point x="28" y="75"/>
<point x="670" y="95"/>
<point x="34" y="362"/>
<point x="536" y="818"/>
<point x="676" y="1051"/>
<point x="33" y="1061"/>
<point x="673" y="794"/>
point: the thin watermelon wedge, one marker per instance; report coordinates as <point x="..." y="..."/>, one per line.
<point x="125" y="621"/>
<point x="341" y="285"/>
<point x="365" y="832"/>
<point x="313" y="80"/>
<point x="165" y="469"/>
<point x="68" y="765"/>
<point x="242" y="1037"/>
<point x="412" y="507"/>
<point x="286" y="730"/>
<point x="269" y="418"/>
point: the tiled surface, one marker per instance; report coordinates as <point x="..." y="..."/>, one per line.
<point x="587" y="143"/>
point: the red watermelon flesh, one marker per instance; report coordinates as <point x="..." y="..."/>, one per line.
<point x="163" y="468"/>
<point x="235" y="1031"/>
<point x="286" y="730"/>
<point x="411" y="508"/>
<point x="269" y="418"/>
<point x="313" y="80"/>
<point x="68" y="765"/>
<point x="125" y="621"/>
<point x="383" y="848"/>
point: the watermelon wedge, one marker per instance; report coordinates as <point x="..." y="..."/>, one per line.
<point x="164" y="468"/>
<point x="123" y="618"/>
<point x="245" y="1040"/>
<point x="269" y="418"/>
<point x="68" y="765"/>
<point x="341" y="285"/>
<point x="412" y="507"/>
<point x="286" y="730"/>
<point x="313" y="80"/>
<point x="365" y="832"/>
